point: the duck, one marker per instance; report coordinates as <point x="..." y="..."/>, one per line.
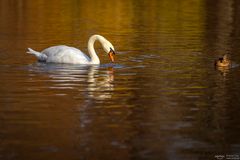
<point x="71" y="55"/>
<point x="223" y="61"/>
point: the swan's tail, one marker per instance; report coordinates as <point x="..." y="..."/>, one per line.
<point x="40" y="56"/>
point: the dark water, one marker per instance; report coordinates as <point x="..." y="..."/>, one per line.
<point x="162" y="99"/>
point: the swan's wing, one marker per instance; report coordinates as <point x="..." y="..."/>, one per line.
<point x="65" y="54"/>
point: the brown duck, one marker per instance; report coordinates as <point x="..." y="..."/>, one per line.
<point x="223" y="61"/>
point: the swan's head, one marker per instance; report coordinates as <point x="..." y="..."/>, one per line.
<point x="108" y="48"/>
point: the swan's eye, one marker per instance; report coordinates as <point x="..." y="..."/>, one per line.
<point x="111" y="50"/>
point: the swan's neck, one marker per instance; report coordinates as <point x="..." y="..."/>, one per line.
<point x="91" y="50"/>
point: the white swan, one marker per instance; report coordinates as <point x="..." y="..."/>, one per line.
<point x="65" y="54"/>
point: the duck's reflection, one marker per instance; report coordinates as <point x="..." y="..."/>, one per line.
<point x="223" y="70"/>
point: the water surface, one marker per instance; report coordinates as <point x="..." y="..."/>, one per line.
<point x="162" y="99"/>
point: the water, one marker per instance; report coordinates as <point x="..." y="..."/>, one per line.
<point x="162" y="99"/>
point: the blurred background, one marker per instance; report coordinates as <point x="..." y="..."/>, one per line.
<point x="162" y="99"/>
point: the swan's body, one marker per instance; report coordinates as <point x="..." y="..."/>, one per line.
<point x="223" y="61"/>
<point x="65" y="54"/>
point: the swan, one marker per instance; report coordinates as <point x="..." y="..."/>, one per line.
<point x="66" y="54"/>
<point x="223" y="61"/>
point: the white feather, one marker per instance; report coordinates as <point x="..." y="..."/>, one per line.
<point x="65" y="54"/>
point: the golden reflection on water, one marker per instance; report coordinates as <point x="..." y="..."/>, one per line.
<point x="43" y="23"/>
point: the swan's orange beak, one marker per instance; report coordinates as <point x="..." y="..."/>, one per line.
<point x="111" y="55"/>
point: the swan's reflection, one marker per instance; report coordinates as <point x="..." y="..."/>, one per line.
<point x="100" y="86"/>
<point x="96" y="80"/>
